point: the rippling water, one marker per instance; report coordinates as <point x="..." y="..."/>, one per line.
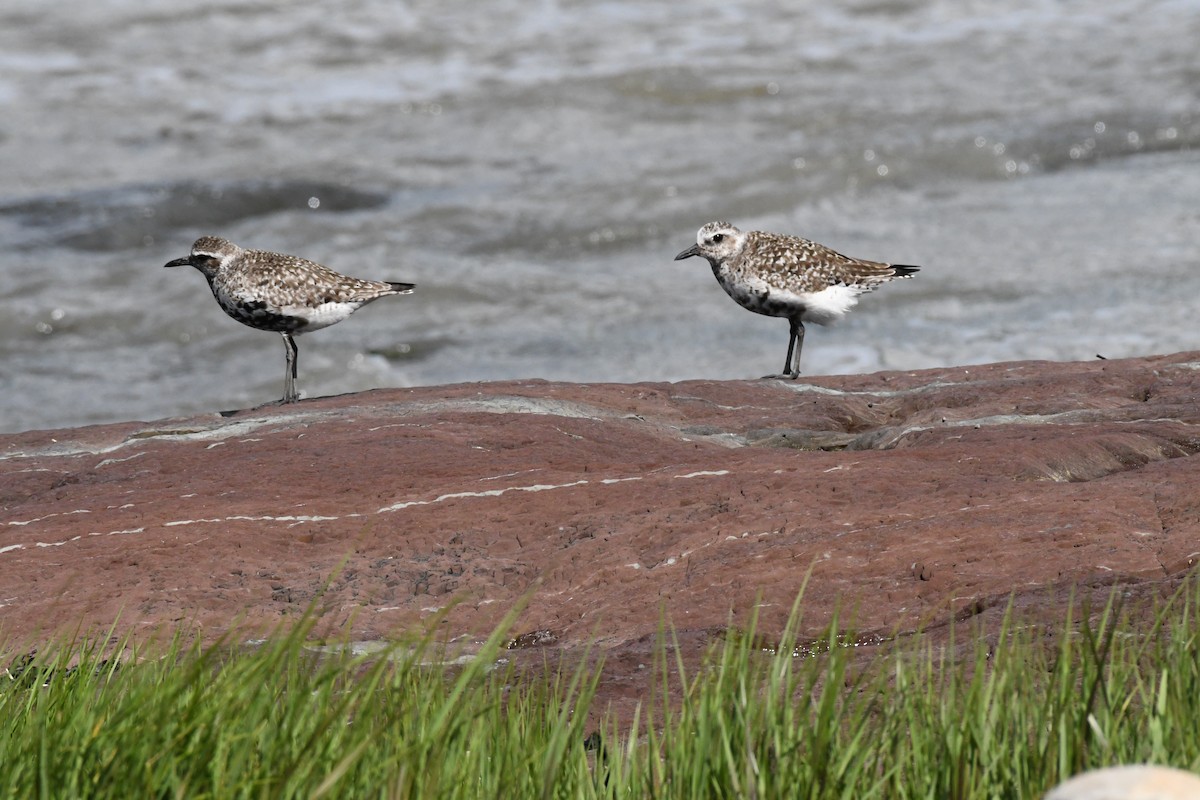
<point x="534" y="167"/>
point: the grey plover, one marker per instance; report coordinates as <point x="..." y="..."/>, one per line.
<point x="786" y="276"/>
<point x="281" y="293"/>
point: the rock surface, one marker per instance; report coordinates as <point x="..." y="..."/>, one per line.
<point x="909" y="497"/>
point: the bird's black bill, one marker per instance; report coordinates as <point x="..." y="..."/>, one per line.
<point x="694" y="250"/>
<point x="179" y="262"/>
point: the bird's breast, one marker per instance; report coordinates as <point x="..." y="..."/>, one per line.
<point x="756" y="293"/>
<point x="257" y="310"/>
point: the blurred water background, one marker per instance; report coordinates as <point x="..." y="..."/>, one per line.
<point x="535" y="165"/>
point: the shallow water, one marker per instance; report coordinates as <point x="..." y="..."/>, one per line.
<point x="534" y="168"/>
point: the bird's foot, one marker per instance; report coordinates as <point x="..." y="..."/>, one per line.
<point x="283" y="401"/>
<point x="785" y="376"/>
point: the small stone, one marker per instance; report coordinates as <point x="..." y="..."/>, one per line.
<point x="1131" y="782"/>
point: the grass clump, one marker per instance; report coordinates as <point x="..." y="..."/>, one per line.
<point x="280" y="720"/>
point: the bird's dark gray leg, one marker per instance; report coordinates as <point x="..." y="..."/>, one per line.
<point x="290" y="395"/>
<point x="791" y="369"/>
<point x="798" y="338"/>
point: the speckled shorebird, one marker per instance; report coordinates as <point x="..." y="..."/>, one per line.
<point x="786" y="276"/>
<point x="281" y="293"/>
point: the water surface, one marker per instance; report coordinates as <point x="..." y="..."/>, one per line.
<point x="534" y="168"/>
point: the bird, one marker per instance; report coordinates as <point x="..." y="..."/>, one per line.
<point x="281" y="293"/>
<point x="787" y="276"/>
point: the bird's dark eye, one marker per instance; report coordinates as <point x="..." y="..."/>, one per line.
<point x="717" y="237"/>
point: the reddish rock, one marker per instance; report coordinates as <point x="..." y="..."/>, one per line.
<point x="905" y="495"/>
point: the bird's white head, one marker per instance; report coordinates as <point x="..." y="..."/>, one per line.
<point x="209" y="254"/>
<point x="717" y="242"/>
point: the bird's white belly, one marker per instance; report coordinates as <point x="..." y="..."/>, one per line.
<point x="322" y="316"/>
